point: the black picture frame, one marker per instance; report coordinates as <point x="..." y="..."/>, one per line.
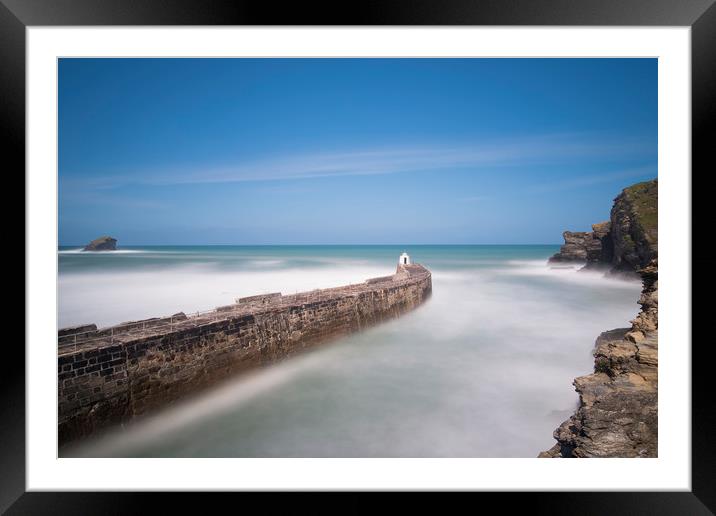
<point x="699" y="15"/>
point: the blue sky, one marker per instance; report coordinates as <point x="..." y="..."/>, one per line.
<point x="349" y="151"/>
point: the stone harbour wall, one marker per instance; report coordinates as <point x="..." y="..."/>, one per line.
<point x="112" y="375"/>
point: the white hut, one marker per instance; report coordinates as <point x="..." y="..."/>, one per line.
<point x="404" y="259"/>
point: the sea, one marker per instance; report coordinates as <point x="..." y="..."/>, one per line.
<point x="483" y="369"/>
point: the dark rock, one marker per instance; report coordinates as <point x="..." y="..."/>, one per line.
<point x="585" y="247"/>
<point x="104" y="243"/>
<point x="574" y="248"/>
<point x="603" y="251"/>
<point x="634" y="226"/>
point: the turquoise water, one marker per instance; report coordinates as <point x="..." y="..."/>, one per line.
<point x="483" y="369"/>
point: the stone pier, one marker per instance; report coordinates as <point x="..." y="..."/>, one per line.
<point x="111" y="375"/>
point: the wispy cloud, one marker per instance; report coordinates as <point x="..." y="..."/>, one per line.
<point x="582" y="181"/>
<point x="386" y="160"/>
<point x="89" y="196"/>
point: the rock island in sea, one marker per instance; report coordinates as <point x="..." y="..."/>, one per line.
<point x="103" y="243"/>
<point x="617" y="413"/>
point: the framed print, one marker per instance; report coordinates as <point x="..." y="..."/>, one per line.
<point x="413" y="250"/>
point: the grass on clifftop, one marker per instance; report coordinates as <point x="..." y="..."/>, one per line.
<point x="644" y="199"/>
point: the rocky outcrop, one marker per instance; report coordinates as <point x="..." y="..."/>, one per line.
<point x="625" y="243"/>
<point x="104" y="243"/>
<point x="585" y="247"/>
<point x="617" y="414"/>
<point x="601" y="248"/>
<point x="634" y="226"/>
<point x="574" y="248"/>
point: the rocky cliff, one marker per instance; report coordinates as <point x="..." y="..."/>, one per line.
<point x="104" y="243"/>
<point x="625" y="243"/>
<point x="586" y="247"/>
<point x="634" y="227"/>
<point x="617" y="413"/>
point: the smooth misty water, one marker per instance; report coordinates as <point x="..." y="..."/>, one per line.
<point x="483" y="369"/>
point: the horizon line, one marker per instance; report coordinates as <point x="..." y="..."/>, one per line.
<point x="309" y="245"/>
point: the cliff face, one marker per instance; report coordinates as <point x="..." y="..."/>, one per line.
<point x="634" y="226"/>
<point x="581" y="246"/>
<point x="617" y="414"/>
<point x="625" y="243"/>
<point x="574" y="248"/>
